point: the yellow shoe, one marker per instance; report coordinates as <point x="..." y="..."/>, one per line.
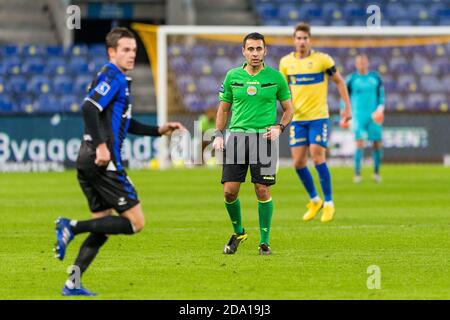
<point x="313" y="209"/>
<point x="328" y="213"/>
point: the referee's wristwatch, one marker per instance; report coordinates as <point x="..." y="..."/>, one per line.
<point x="282" y="126"/>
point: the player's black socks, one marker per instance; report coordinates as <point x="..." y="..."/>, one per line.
<point x="106" y="225"/>
<point x="89" y="250"/>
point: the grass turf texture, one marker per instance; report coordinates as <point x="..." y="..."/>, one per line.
<point x="400" y="225"/>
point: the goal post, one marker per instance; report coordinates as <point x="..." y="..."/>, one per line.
<point x="388" y="43"/>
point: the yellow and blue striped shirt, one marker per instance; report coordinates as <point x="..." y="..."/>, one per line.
<point x="308" y="81"/>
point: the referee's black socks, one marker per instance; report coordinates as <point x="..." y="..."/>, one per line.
<point x="106" y="225"/>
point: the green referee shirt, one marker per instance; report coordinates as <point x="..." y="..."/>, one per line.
<point x="253" y="98"/>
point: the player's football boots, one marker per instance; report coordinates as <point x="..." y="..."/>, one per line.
<point x="328" y="213"/>
<point x="377" y="178"/>
<point x="264" y="249"/>
<point x="357" y="179"/>
<point x="66" y="291"/>
<point x="233" y="243"/>
<point x="64" y="235"/>
<point x="313" y="209"/>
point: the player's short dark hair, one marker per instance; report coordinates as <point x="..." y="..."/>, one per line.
<point x="253" y="36"/>
<point x="303" y="26"/>
<point x="113" y="37"/>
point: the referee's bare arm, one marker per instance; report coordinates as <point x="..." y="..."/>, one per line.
<point x="288" y="112"/>
<point x="221" y="121"/>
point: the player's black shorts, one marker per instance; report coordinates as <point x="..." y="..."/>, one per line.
<point x="243" y="150"/>
<point x="104" y="189"/>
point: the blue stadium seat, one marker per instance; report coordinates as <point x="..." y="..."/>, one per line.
<point x="55" y="51"/>
<point x="415" y="101"/>
<point x="24" y="104"/>
<point x="201" y="66"/>
<point x="267" y="10"/>
<point x="33" y="65"/>
<point x="6" y="104"/>
<point x="208" y="85"/>
<point x="200" y="51"/>
<point x="78" y="50"/>
<point x="407" y="83"/>
<point x="179" y="64"/>
<point x="77" y="65"/>
<point x="55" y="66"/>
<point x="18" y="84"/>
<point x="46" y="103"/>
<point x="71" y="103"/>
<point x="437" y="101"/>
<point x="39" y="84"/>
<point x="12" y="65"/>
<point x="288" y="11"/>
<point x="183" y="81"/>
<point x="430" y="84"/>
<point x="63" y="84"/>
<point x="96" y="64"/>
<point x="193" y="102"/>
<point x="97" y="50"/>
<point x="221" y="65"/>
<point x="32" y="50"/>
<point x="10" y="50"/>
<point x="82" y="83"/>
<point x="394" y="102"/>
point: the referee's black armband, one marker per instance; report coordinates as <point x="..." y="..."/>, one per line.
<point x="331" y="70"/>
<point x="91" y="115"/>
<point x="142" y="129"/>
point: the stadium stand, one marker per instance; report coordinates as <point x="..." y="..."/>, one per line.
<point x="414" y="76"/>
<point x="351" y="13"/>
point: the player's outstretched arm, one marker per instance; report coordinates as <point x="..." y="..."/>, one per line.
<point x="141" y="129"/>
<point x="346" y="114"/>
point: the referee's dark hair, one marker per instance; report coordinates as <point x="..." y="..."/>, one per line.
<point x="254" y="36"/>
<point x="113" y="37"/>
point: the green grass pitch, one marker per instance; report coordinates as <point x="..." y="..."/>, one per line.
<point x="401" y="225"/>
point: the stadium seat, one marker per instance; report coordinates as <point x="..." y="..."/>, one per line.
<point x="438" y="101"/>
<point x="70" y="103"/>
<point x="55" y="51"/>
<point x="63" y="84"/>
<point x="97" y="50"/>
<point x="39" y="84"/>
<point x="18" y="84"/>
<point x="78" y="50"/>
<point x="34" y="50"/>
<point x="55" y="66"/>
<point x="12" y="65"/>
<point x="96" y="64"/>
<point x="193" y="102"/>
<point x="46" y="103"/>
<point x="82" y="83"/>
<point x="25" y="104"/>
<point x="208" y="85"/>
<point x="33" y="65"/>
<point x="201" y="66"/>
<point x="221" y="65"/>
<point x="78" y="64"/>
<point x="6" y="105"/>
<point x="10" y="50"/>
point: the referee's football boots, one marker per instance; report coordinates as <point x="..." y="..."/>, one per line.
<point x="64" y="235"/>
<point x="264" y="249"/>
<point x="233" y="243"/>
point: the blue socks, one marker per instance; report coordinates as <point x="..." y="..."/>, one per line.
<point x="307" y="180"/>
<point x="377" y="154"/>
<point x="325" y="180"/>
<point x="358" y="156"/>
